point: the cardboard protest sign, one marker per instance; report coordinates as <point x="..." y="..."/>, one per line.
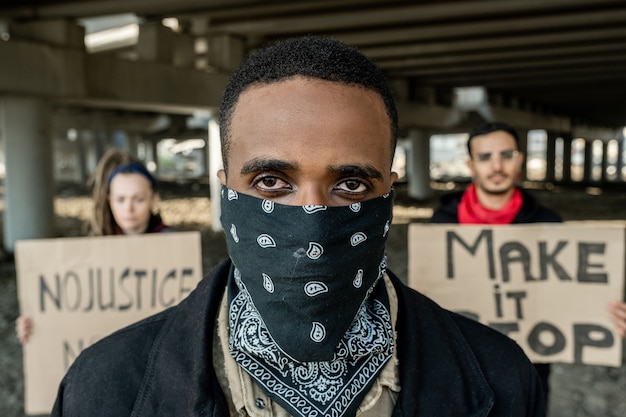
<point x="78" y="290"/>
<point x="547" y="286"/>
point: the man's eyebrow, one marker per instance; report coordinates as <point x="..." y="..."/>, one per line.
<point x="259" y="164"/>
<point x="363" y="171"/>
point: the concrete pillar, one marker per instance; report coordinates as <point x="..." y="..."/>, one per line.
<point x="132" y="141"/>
<point x="523" y="147"/>
<point x="29" y="185"/>
<point x="91" y="155"/>
<point x="588" y="170"/>
<point x="567" y="158"/>
<point x="81" y="154"/>
<point x="418" y="163"/>
<point x="156" y="43"/>
<point x="225" y="52"/>
<point x="215" y="164"/>
<point x="620" y="160"/>
<point x="184" y="54"/>
<point x="206" y="161"/>
<point x="550" y="156"/>
<point x="605" y="161"/>
<point x="154" y="150"/>
<point x="101" y="142"/>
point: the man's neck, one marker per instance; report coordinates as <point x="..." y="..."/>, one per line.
<point x="493" y="201"/>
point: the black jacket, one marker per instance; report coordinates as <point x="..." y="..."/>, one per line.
<point x="162" y="366"/>
<point x="531" y="211"/>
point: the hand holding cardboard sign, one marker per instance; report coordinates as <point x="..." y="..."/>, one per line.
<point x="23" y="328"/>
<point x="618" y="317"/>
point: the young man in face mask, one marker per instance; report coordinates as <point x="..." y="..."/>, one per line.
<point x="495" y="162"/>
<point x="304" y="319"/>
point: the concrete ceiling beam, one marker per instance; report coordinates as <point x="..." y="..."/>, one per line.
<point x="503" y="42"/>
<point x="486" y="27"/>
<point x="397" y="15"/>
<point x="74" y="77"/>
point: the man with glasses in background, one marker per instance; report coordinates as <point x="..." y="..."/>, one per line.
<point x="495" y="162"/>
<point x="493" y="198"/>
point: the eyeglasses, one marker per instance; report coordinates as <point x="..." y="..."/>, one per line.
<point x="504" y="156"/>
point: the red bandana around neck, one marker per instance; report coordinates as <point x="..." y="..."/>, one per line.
<point x="472" y="212"/>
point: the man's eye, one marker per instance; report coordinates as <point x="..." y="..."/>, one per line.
<point x="353" y="186"/>
<point x="484" y="157"/>
<point x="508" y="154"/>
<point x="271" y="183"/>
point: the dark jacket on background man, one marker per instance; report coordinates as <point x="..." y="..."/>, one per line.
<point x="531" y="212"/>
<point x="162" y="366"/>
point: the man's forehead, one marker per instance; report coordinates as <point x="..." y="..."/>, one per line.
<point x="307" y="96"/>
<point x="495" y="138"/>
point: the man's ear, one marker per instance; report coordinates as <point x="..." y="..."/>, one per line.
<point x="221" y="174"/>
<point x="470" y="165"/>
<point x="394" y="177"/>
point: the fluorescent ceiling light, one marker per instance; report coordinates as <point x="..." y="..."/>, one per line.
<point x="114" y="38"/>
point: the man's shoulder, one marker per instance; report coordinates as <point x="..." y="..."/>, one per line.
<point x="115" y="365"/>
<point x="131" y="344"/>
<point x="140" y="334"/>
<point x="121" y="363"/>
<point x="484" y="362"/>
<point x="486" y="339"/>
<point x="533" y="211"/>
<point x="504" y="363"/>
<point x="477" y="334"/>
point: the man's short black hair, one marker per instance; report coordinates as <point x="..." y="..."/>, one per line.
<point x="489" y="128"/>
<point x="313" y="57"/>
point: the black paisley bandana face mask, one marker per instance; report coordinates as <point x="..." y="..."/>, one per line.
<point x="308" y="310"/>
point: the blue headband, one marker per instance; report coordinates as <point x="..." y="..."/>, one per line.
<point x="132" y="167"/>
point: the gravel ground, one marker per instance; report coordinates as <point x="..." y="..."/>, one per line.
<point x="577" y="391"/>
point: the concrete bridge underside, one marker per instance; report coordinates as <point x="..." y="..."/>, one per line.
<point x="555" y="65"/>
